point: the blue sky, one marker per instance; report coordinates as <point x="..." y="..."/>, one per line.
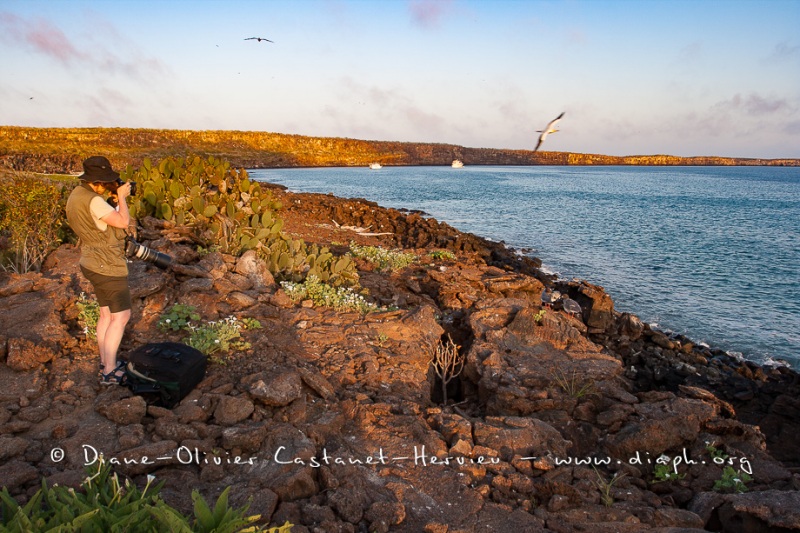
<point x="634" y="77"/>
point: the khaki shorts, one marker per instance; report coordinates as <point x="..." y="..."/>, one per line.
<point x="111" y="292"/>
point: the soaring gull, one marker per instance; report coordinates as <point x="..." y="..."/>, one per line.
<point x="259" y="39"/>
<point x="551" y="128"/>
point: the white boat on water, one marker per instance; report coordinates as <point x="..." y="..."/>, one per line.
<point x="375" y="166"/>
<point x="457" y="164"/>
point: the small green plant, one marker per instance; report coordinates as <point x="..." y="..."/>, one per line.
<point x="605" y="486"/>
<point x="381" y="340"/>
<point x="572" y="385"/>
<point x="105" y="503"/>
<point x="732" y="480"/>
<point x="88" y="315"/>
<point x="441" y="255"/>
<point x="322" y="294"/>
<point x="665" y="472"/>
<point x="203" y="251"/>
<point x="538" y="317"/>
<point x="220" y="336"/>
<point x="178" y="317"/>
<point x="383" y="259"/>
<point x="213" y="338"/>
<point x="716" y="453"/>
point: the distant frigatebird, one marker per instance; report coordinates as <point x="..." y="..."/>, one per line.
<point x="547" y="131"/>
<point x="259" y="39"/>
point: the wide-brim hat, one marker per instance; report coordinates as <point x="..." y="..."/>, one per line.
<point x="98" y="168"/>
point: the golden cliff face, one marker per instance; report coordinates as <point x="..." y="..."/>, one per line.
<point x="63" y="149"/>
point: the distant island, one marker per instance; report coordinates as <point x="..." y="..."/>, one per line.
<point x="61" y="150"/>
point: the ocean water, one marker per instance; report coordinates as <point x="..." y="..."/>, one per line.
<point x="710" y="252"/>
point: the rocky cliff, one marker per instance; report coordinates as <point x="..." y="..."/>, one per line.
<point x="61" y="150"/>
<point x="334" y="421"/>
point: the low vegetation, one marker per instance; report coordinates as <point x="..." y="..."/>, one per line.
<point x="324" y="295"/>
<point x="106" y="503"/>
<point x="215" y="338"/>
<point x="382" y="258"/>
<point x="32" y="220"/>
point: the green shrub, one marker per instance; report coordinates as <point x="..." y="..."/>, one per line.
<point x="383" y="259"/>
<point x="104" y="503"/>
<point x="32" y="220"/>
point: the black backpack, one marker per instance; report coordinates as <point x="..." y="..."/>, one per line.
<point x="165" y="372"/>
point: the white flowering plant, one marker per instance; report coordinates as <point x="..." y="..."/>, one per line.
<point x="178" y="317"/>
<point x="213" y="338"/>
<point x="664" y="471"/>
<point x="383" y="259"/>
<point x="219" y="337"/>
<point x="322" y="294"/>
<point x="732" y="480"/>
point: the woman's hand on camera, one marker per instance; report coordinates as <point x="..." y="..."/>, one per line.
<point x="124" y="190"/>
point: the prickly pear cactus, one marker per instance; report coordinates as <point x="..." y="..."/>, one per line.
<point x="229" y="210"/>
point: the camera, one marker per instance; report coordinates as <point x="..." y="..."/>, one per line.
<point x="112" y="188"/>
<point x="140" y="251"/>
<point x="119" y="182"/>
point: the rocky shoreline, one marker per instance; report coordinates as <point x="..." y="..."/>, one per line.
<point x="334" y="421"/>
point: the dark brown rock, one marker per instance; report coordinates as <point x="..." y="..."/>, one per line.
<point x="16" y="385"/>
<point x="12" y="447"/>
<point x="171" y="429"/>
<point x="239" y="300"/>
<point x="247" y="439"/>
<point x="146" y="458"/>
<point x="278" y="389"/>
<point x="131" y="436"/>
<point x="521" y="436"/>
<point x="318" y="383"/>
<point x="663" y="425"/>
<point x="16" y="474"/>
<point x="232" y="410"/>
<point x="125" y="411"/>
<point x="770" y="510"/>
<point x="279" y="467"/>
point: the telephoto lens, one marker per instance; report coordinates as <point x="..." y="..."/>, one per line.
<point x="134" y="249"/>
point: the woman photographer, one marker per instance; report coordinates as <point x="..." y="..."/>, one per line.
<point x="101" y="229"/>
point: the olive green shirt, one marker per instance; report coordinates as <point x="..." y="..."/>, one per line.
<point x="102" y="251"/>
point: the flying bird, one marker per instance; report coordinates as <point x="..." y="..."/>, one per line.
<point x="551" y="128"/>
<point x="259" y="39"/>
